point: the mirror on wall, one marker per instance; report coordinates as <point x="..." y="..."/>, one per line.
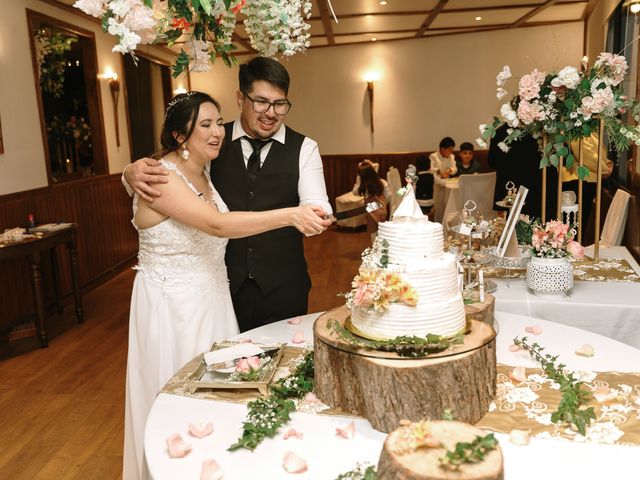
<point x="148" y="91"/>
<point x="66" y="79"/>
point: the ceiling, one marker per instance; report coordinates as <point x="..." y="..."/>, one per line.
<point x="365" y="21"/>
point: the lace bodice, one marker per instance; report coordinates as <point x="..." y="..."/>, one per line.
<point x="174" y="254"/>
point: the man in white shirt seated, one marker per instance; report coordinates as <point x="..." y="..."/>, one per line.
<point x="443" y="163"/>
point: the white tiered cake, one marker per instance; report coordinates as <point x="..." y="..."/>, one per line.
<point x="415" y="253"/>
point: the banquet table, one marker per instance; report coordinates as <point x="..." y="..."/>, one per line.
<point x="328" y="455"/>
<point x="446" y="198"/>
<point x="608" y="308"/>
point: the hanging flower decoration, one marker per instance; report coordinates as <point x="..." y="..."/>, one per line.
<point x="50" y="47"/>
<point x="205" y="26"/>
<point x="567" y="106"/>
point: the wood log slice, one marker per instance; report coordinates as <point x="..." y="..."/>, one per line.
<point x="483" y="312"/>
<point x="388" y="390"/>
<point x="424" y="464"/>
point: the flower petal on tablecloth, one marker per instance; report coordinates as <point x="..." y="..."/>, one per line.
<point x="347" y="432"/>
<point x="519" y="374"/>
<point x="294" y="321"/>
<point x="298" y="337"/>
<point x="292" y="463"/>
<point x="585" y="350"/>
<point x="520" y="437"/>
<point x="211" y="470"/>
<point x="533" y="329"/>
<point x="177" y="447"/>
<point x="293" y="433"/>
<point x="200" y="430"/>
<point x="514" y="348"/>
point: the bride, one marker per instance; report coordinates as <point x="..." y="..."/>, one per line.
<point x="181" y="302"/>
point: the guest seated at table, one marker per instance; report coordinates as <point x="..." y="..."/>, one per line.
<point x="373" y="189"/>
<point x="424" y="185"/>
<point x="443" y="163"/>
<point x="465" y="163"/>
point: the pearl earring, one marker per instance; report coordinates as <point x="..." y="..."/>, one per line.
<point x="184" y="153"/>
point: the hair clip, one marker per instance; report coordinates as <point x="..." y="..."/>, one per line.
<point x="178" y="99"/>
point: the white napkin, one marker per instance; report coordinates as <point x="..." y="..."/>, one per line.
<point x="409" y="208"/>
<point x="231" y="353"/>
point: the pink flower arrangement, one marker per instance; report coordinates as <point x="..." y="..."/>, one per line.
<point x="245" y="365"/>
<point x="555" y="239"/>
<point x="378" y="288"/>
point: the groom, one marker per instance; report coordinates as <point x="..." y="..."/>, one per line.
<point x="262" y="165"/>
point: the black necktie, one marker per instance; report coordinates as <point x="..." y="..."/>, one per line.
<point x="253" y="164"/>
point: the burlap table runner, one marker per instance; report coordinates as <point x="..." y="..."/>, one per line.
<point x="606" y="270"/>
<point x="523" y="406"/>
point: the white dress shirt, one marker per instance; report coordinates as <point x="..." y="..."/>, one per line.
<point x="311" y="186"/>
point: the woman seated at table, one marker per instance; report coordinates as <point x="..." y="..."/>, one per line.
<point x="373" y="189"/>
<point x="181" y="302"/>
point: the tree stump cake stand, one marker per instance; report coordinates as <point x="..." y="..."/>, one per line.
<point x="385" y="388"/>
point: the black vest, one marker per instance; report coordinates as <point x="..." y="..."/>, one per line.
<point x="276" y="257"/>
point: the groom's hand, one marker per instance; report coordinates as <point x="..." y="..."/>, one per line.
<point x="310" y="219"/>
<point x="144" y="172"/>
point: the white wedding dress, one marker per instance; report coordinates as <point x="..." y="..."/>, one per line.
<point x="180" y="305"/>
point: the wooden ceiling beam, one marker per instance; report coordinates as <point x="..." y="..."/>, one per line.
<point x="535" y="11"/>
<point x="431" y="17"/>
<point x="326" y="21"/>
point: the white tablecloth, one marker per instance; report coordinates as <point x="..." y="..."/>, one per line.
<point x="611" y="309"/>
<point x="328" y="455"/>
<point x="446" y="198"/>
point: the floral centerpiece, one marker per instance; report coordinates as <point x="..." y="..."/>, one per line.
<point x="554" y="240"/>
<point x="567" y="106"/>
<point x="205" y="26"/>
<point x="375" y="287"/>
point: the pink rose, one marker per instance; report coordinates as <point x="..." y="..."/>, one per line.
<point x="363" y="295"/>
<point x="254" y="362"/>
<point x="576" y="250"/>
<point x="242" y="365"/>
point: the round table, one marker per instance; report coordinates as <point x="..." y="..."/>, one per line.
<point x="328" y="455"/>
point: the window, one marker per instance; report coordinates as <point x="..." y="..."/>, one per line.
<point x="65" y="71"/>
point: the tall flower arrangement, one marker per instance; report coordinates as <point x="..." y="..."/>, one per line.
<point x="566" y="106"/>
<point x="206" y="26"/>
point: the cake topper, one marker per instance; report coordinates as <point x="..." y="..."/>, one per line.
<point x="409" y="208"/>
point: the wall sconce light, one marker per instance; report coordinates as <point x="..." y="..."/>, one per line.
<point x="114" y="86"/>
<point x="370" y="78"/>
<point x="179" y="90"/>
<point x="634" y="6"/>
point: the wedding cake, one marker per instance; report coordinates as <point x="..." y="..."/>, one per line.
<point x="407" y="284"/>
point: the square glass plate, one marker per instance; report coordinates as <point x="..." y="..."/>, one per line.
<point x="221" y="378"/>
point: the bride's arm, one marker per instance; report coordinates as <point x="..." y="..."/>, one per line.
<point x="179" y="202"/>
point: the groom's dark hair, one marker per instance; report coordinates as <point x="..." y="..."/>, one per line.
<point x="263" y="68"/>
<point x="180" y="118"/>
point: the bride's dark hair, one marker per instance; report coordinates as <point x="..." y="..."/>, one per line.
<point x="180" y="117"/>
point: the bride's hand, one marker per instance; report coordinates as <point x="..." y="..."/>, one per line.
<point x="309" y="219"/>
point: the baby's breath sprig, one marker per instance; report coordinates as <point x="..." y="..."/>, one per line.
<point x="267" y="415"/>
<point x="362" y="471"/>
<point x="571" y="408"/>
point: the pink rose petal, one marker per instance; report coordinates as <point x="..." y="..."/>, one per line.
<point x="200" y="430"/>
<point x="518" y="374"/>
<point x="298" y="337"/>
<point x="211" y="470"/>
<point x="520" y="437"/>
<point x="534" y="329"/>
<point x="177" y="447"/>
<point x="245" y="340"/>
<point x="291" y="433"/>
<point x="292" y="463"/>
<point x="585" y="350"/>
<point x="347" y="432"/>
<point x="514" y="348"/>
<point x="242" y="365"/>
<point x="294" y="321"/>
<point x="254" y="362"/>
<point x="603" y="394"/>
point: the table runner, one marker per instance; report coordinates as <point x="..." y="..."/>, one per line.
<point x="606" y="270"/>
<point x="518" y="405"/>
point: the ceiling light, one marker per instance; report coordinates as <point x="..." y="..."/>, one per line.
<point x="373" y="39"/>
<point x="478" y="19"/>
<point x="383" y="2"/>
<point x="635" y="7"/>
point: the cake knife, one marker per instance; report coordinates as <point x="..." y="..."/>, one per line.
<point x="354" y="212"/>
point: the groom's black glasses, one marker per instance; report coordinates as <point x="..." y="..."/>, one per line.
<point x="280" y="107"/>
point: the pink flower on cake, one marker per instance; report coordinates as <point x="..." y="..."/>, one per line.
<point x="200" y="430"/>
<point x="348" y="431"/>
<point x="176" y="447"/>
<point x="292" y="463"/>
<point x="211" y="470"/>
